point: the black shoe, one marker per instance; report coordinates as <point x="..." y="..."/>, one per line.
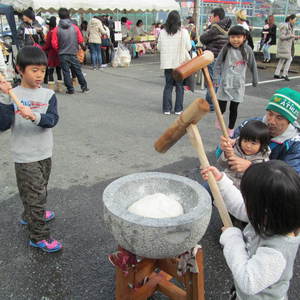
<point x="70" y="92"/>
<point x="277" y="76"/>
<point x="85" y="90"/>
<point x="286" y="78"/>
<point x="268" y="61"/>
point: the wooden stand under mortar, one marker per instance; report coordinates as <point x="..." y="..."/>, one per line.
<point x="160" y="272"/>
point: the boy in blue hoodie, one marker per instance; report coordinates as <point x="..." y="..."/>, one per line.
<point x="32" y="143"/>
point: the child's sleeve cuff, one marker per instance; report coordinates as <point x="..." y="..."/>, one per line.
<point x="37" y="118"/>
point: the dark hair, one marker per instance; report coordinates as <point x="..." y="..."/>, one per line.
<point x="52" y="22"/>
<point x="219" y="11"/>
<point x="290" y="17"/>
<point x="139" y="22"/>
<point x="173" y="23"/>
<point x="256" y="131"/>
<point x="236" y="30"/>
<point x="83" y="25"/>
<point x="271" y="193"/>
<point x="63" y="13"/>
<point x="105" y="22"/>
<point x="124" y="19"/>
<point x="30" y="55"/>
<point x="191" y="20"/>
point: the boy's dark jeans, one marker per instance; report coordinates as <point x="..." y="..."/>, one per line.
<point x="67" y="62"/>
<point x="32" y="181"/>
<point x="167" y="95"/>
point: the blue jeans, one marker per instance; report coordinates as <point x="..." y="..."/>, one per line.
<point x="95" y="54"/>
<point x="266" y="52"/>
<point x="69" y="61"/>
<point x="167" y="95"/>
<point x="210" y="68"/>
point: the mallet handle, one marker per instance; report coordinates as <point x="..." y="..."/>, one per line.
<point x="195" y="138"/>
<point x="214" y="99"/>
<point x="12" y="94"/>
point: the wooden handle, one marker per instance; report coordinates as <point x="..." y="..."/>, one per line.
<point x="214" y="99"/>
<point x="197" y="143"/>
<point x="191" y="115"/>
<point x="12" y="94"/>
<point x="192" y="66"/>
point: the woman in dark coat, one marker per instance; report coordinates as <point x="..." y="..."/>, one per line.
<point x="270" y="39"/>
<point x="53" y="59"/>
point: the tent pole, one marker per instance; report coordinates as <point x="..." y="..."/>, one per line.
<point x="197" y="17"/>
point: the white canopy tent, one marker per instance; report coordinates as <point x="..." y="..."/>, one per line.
<point x="85" y="6"/>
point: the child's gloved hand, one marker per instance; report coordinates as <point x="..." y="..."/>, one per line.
<point x="216" y="173"/>
<point x="5" y="86"/>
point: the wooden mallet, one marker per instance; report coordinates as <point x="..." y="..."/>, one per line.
<point x="201" y="61"/>
<point x="12" y="94"/>
<point x="186" y="122"/>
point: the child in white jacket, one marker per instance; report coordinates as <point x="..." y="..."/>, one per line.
<point x="261" y="258"/>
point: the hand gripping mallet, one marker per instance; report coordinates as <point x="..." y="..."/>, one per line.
<point x="186" y="122"/>
<point x="200" y="62"/>
<point x="12" y="94"/>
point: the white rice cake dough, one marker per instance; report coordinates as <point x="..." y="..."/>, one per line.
<point x="157" y="206"/>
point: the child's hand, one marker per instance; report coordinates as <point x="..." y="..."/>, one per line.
<point x="5" y="86"/>
<point x="229" y="153"/>
<point x="216" y="173"/>
<point x="27" y="113"/>
<point x="238" y="164"/>
<point x="226" y="144"/>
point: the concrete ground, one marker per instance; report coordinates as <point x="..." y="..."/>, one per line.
<point x="101" y="136"/>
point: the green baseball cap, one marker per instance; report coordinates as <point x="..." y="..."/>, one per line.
<point x="286" y="102"/>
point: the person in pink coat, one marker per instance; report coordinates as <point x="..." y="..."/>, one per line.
<point x="53" y="59"/>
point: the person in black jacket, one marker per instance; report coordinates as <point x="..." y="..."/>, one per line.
<point x="214" y="38"/>
<point x="270" y="39"/>
<point x="30" y="31"/>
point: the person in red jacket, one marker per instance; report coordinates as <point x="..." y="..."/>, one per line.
<point x="66" y="39"/>
<point x="53" y="59"/>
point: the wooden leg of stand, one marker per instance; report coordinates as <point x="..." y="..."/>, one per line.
<point x="198" y="279"/>
<point x="194" y="283"/>
<point x="122" y="285"/>
<point x="188" y="282"/>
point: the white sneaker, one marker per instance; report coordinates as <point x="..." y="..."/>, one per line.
<point x="104" y="66"/>
<point x="167" y="113"/>
<point x="178" y="112"/>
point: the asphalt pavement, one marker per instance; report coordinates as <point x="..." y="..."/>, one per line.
<point x="102" y="136"/>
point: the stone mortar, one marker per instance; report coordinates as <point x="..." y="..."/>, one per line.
<point x="156" y="238"/>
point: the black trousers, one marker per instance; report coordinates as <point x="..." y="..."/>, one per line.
<point x="51" y="73"/>
<point x="233" y="111"/>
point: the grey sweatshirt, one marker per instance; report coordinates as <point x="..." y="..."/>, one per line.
<point x="261" y="267"/>
<point x="233" y="73"/>
<point x="254" y="159"/>
<point x="32" y="141"/>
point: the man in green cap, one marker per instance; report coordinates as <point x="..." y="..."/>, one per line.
<point x="281" y="118"/>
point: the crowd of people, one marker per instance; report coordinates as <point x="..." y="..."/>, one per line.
<point x="261" y="257"/>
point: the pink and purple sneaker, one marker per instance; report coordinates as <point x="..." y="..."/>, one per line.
<point x="47" y="245"/>
<point x="49" y="215"/>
